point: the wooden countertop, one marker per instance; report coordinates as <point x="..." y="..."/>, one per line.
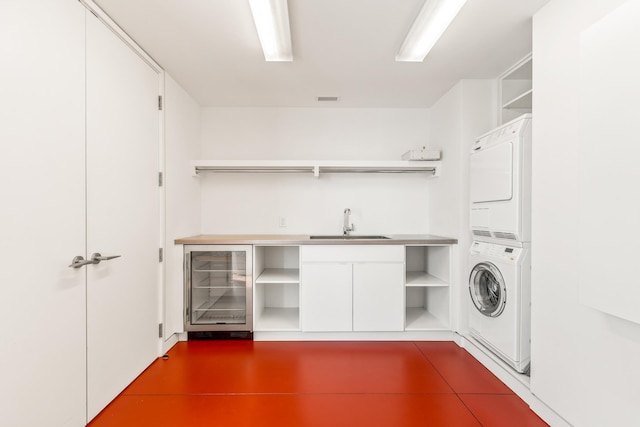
<point x="300" y="239"/>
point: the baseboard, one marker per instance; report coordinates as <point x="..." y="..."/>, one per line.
<point x="169" y="343"/>
<point x="353" y="336"/>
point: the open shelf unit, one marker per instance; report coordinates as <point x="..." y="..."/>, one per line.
<point x="316" y="167"/>
<point x="427" y="299"/>
<point x="276" y="303"/>
<point x="515" y="87"/>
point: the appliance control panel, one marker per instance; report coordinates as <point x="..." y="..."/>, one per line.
<point x="501" y="252"/>
<point x="507" y="132"/>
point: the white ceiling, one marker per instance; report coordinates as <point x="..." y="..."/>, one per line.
<point x="343" y="48"/>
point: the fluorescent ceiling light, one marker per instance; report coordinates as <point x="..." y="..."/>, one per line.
<point x="433" y="19"/>
<point x="272" y="22"/>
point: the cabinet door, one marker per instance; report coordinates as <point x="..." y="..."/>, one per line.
<point x="123" y="206"/>
<point x="326" y="297"/>
<point x="378" y="300"/>
<point x="42" y="300"/>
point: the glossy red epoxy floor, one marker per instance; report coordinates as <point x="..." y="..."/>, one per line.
<point x="386" y="384"/>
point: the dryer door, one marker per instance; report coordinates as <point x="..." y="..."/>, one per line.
<point x="487" y="289"/>
<point x="491" y="173"/>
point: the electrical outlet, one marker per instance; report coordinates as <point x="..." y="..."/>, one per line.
<point x="282" y="222"/>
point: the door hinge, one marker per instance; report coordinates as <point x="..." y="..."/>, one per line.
<point x="160" y="102"/>
<point x="160" y="255"/>
<point x="160" y="179"/>
<point x="160" y="330"/>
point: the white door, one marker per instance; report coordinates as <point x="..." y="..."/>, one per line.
<point x="122" y="215"/>
<point x="326" y="297"/>
<point x="42" y="300"/>
<point x="378" y="297"/>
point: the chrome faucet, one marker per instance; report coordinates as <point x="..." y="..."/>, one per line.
<point x="347" y="227"/>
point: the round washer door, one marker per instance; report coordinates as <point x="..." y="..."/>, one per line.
<point x="487" y="289"/>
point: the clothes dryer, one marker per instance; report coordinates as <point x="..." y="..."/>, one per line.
<point x="500" y="183"/>
<point x="500" y="300"/>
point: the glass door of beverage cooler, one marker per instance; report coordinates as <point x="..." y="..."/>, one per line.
<point x="219" y="288"/>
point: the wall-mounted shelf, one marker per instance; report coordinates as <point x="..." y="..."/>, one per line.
<point x="315" y="167"/>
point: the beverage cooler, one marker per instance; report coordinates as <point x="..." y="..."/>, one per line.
<point x="218" y="291"/>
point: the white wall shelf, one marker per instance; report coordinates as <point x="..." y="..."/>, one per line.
<point x="316" y="167"/>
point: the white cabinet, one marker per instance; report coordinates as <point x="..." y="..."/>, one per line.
<point x="352" y="288"/>
<point x="327" y="297"/>
<point x="276" y="299"/>
<point x="377" y="296"/>
<point x="428" y="303"/>
<point x="515" y="87"/>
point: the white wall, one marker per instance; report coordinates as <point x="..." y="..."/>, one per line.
<point x="182" y="145"/>
<point x="584" y="362"/>
<point x="466" y="111"/>
<point x="380" y="203"/>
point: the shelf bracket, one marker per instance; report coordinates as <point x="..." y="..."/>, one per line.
<point x="316" y="171"/>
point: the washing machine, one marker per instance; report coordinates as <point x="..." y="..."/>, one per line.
<point x="500" y="300"/>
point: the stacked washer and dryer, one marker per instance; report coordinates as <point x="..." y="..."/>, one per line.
<point x="500" y="258"/>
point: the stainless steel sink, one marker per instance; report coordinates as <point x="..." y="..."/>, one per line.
<point x="349" y="237"/>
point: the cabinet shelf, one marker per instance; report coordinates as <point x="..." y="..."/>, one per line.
<point x="279" y="275"/>
<point x="278" y="319"/>
<point x="430" y="168"/>
<point x="420" y="278"/>
<point x="419" y="319"/>
<point x="521" y="102"/>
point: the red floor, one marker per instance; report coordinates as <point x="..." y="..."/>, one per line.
<point x="323" y="384"/>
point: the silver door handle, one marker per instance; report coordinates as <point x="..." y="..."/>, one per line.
<point x="79" y="261"/>
<point x="96" y="257"/>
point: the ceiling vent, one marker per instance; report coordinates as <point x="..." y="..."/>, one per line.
<point x="328" y="99"/>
